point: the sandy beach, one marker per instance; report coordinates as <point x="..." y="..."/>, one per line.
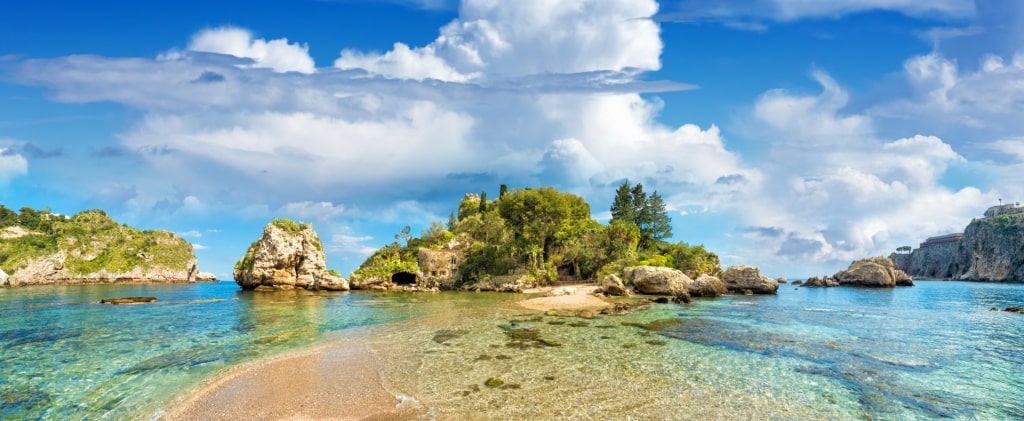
<point x="339" y="380"/>
<point x="581" y="297"/>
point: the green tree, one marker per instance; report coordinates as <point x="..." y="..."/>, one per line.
<point x="483" y="202"/>
<point x="656" y="226"/>
<point x="451" y="221"/>
<point x="632" y="205"/>
<point x="622" y="206"/>
<point x="7" y="217"/>
<point x="29" y="218"/>
<point x="534" y="216"/>
<point x="502" y="191"/>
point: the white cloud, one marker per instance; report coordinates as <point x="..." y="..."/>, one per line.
<point x="12" y="165"/>
<point x="352" y="244"/>
<point x="838" y="192"/>
<point x="198" y="246"/>
<point x="192" y="234"/>
<point x="494" y="40"/>
<point x="276" y="54"/>
<point x="306" y="210"/>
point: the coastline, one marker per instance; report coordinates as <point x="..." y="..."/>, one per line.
<point x="337" y="379"/>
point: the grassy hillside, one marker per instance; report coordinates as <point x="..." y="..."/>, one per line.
<point x="91" y="240"/>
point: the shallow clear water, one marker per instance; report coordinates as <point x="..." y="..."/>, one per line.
<point x="930" y="351"/>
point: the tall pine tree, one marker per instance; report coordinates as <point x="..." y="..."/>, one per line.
<point x="632" y="205"/>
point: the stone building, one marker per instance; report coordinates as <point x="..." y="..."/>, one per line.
<point x="438" y="268"/>
<point x="1007" y="209"/>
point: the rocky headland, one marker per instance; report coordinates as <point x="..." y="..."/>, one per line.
<point x="990" y="249"/>
<point x="288" y="255"/>
<point x="42" y="248"/>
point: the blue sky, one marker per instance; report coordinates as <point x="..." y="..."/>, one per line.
<point x="792" y="135"/>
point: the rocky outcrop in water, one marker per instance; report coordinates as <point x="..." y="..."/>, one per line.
<point x="708" y="286"/>
<point x="658" y="280"/>
<point x="816" y="282"/>
<point x="744" y="279"/>
<point x="288" y="255"/>
<point x="873" y="272"/>
<point x="991" y="249"/>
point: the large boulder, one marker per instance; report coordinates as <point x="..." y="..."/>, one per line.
<point x="612" y="285"/>
<point x="287" y="256"/>
<point x="876" y="272"/>
<point x="708" y="286"/>
<point x="658" y="280"/>
<point x="743" y="278"/>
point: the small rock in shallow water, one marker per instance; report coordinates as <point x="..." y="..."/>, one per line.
<point x="494" y="382"/>
<point x="1015" y="309"/>
<point x="128" y="300"/>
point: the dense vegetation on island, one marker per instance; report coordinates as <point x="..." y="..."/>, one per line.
<point x="90" y="240"/>
<point x="548" y="235"/>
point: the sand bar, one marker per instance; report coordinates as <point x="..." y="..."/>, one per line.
<point x="335" y="381"/>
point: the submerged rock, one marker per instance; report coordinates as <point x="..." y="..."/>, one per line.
<point x="494" y="382"/>
<point x="873" y="272"/>
<point x="1015" y="309"/>
<point x="128" y="300"/>
<point x="743" y="278"/>
<point x="287" y="256"/>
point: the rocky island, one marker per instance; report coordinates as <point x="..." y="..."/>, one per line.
<point x="989" y="249"/>
<point x="288" y="255"/>
<point x="535" y="237"/>
<point x="45" y="248"/>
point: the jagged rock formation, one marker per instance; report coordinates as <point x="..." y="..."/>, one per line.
<point x="873" y="272"/>
<point x="92" y="248"/>
<point x="816" y="282"/>
<point x="990" y="249"/>
<point x="743" y="279"/>
<point x="287" y="256"/>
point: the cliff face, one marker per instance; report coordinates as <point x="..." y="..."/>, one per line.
<point x="287" y="255"/>
<point x="936" y="262"/>
<point x="91" y="248"/>
<point x="992" y="249"/>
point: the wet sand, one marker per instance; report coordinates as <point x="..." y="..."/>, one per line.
<point x="336" y="381"/>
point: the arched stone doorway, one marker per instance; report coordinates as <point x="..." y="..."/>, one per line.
<point x="403" y="278"/>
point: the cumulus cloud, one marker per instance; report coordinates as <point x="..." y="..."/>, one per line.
<point x="12" y="165"/>
<point x="494" y="40"/>
<point x="191" y="234"/>
<point x="276" y="54"/>
<point x="838" y="191"/>
<point x="198" y="246"/>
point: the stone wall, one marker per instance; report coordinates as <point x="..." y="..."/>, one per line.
<point x="438" y="268"/>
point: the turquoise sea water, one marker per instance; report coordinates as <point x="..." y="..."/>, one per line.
<point x="930" y="351"/>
